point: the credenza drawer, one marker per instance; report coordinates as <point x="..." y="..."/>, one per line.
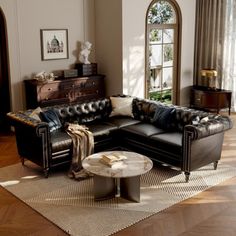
<point x="48" y="88"/>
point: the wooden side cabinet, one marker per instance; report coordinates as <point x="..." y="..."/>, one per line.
<point x="209" y="99"/>
<point x="61" y="91"/>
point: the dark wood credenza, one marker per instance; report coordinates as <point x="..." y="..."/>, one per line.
<point x="209" y="99"/>
<point x="61" y="91"/>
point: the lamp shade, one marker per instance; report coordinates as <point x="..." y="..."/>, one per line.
<point x="209" y="73"/>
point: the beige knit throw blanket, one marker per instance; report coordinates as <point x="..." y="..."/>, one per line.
<point x="83" y="146"/>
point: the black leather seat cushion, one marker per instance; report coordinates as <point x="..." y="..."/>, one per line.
<point x="100" y="128"/>
<point x="60" y="140"/>
<point x="143" y="129"/>
<point x="121" y="121"/>
<point x="169" y="141"/>
<point x="103" y="138"/>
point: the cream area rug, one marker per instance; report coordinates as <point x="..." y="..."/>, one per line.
<point x="70" y="203"/>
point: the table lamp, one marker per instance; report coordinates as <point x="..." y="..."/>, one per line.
<point x="209" y="78"/>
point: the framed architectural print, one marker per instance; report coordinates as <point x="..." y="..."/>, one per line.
<point x="54" y="44"/>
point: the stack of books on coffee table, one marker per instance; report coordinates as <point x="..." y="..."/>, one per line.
<point x="112" y="159"/>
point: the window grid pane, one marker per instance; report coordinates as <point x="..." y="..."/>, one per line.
<point x="168" y="36"/>
<point x="168" y="54"/>
<point x="155" y="55"/>
<point x="155" y="36"/>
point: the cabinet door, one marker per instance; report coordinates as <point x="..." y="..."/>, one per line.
<point x="224" y="100"/>
<point x="209" y="100"/>
<point x="196" y="98"/>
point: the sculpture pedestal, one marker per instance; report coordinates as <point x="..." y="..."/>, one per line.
<point x="86" y="69"/>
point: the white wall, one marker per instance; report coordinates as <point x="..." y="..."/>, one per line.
<point x="133" y="24"/>
<point x="24" y="20"/>
<point x="108" y="28"/>
<point x="187" y="50"/>
<point x="134" y="14"/>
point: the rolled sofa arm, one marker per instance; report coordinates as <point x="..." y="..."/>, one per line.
<point x="32" y="137"/>
<point x="21" y="117"/>
<point x="212" y="126"/>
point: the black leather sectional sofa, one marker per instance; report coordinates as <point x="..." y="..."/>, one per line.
<point x="182" y="137"/>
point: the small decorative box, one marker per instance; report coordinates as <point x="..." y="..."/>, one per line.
<point x="70" y="73"/>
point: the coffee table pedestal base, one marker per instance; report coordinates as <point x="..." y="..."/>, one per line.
<point x="107" y="188"/>
<point x="104" y="188"/>
<point x="130" y="188"/>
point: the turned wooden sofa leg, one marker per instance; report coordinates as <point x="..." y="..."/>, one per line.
<point x="22" y="161"/>
<point x="215" y="165"/>
<point x="46" y="172"/>
<point x="187" y="174"/>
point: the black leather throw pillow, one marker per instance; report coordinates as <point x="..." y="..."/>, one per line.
<point x="51" y="117"/>
<point x="164" y="117"/>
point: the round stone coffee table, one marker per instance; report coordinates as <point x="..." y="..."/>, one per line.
<point x="123" y="179"/>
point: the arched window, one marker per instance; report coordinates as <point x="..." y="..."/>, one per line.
<point x="163" y="26"/>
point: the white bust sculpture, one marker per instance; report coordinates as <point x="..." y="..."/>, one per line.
<point x="84" y="53"/>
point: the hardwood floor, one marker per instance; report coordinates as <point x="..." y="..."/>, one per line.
<point x="211" y="213"/>
<point x="17" y="218"/>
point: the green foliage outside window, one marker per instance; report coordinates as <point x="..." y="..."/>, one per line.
<point x="160" y="13"/>
<point x="155" y="35"/>
<point x="163" y="96"/>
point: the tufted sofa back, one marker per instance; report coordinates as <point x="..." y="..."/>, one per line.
<point x="185" y="116"/>
<point x="84" y="112"/>
<point x="144" y="110"/>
